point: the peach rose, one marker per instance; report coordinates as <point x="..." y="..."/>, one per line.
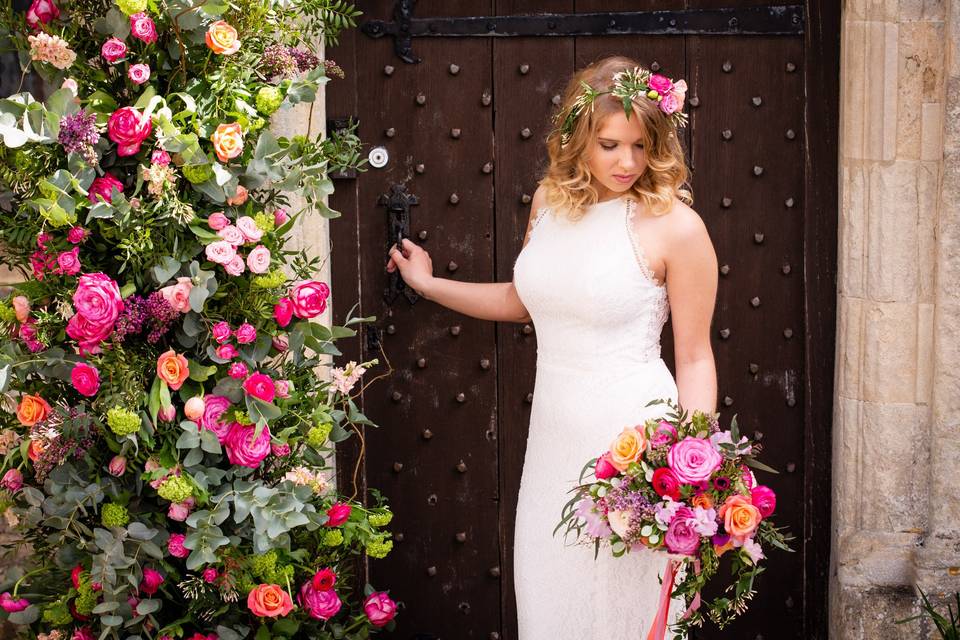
<point x="627" y="448"/>
<point x="21" y="307"/>
<point x="703" y="500"/>
<point x="740" y="517"/>
<point x="239" y="197"/>
<point x="32" y="409"/>
<point x="228" y="141"/>
<point x="222" y="38"/>
<point x="172" y="369"/>
<point x="269" y="601"/>
<point x="178" y="295"/>
<point x="35" y="449"/>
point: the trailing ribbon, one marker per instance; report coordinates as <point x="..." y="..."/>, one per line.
<point x="658" y="630"/>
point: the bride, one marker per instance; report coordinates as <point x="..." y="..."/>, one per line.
<point x="611" y="250"/>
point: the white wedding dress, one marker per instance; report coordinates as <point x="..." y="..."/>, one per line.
<point x="598" y="313"/>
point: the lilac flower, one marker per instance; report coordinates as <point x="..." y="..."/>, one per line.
<point x="152" y="314"/>
<point x="278" y="61"/>
<point x="305" y="59"/>
<point x="78" y="134"/>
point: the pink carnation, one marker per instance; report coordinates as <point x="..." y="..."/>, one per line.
<point x="160" y="157"/>
<point x="210" y="575"/>
<point x="243" y="448"/>
<point x="237" y="371"/>
<point x="180" y="511"/>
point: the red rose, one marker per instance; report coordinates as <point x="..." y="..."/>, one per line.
<point x="666" y="483"/>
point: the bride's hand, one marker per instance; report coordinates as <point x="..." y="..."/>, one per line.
<point x="414" y="264"/>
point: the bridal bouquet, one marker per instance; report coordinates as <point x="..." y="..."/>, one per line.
<point x="165" y="423"/>
<point x="681" y="486"/>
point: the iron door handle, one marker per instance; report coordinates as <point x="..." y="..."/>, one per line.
<point x="398" y="203"/>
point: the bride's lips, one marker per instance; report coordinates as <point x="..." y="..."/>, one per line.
<point x="624" y="178"/>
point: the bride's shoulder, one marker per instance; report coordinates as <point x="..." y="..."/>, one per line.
<point x="682" y="223"/>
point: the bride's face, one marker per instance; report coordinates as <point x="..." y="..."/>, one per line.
<point x="616" y="157"/>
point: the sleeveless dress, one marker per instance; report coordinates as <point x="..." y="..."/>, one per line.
<point x="598" y="312"/>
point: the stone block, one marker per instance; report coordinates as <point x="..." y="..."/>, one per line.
<point x="892" y="218"/>
<point x="931" y="131"/>
<point x="875" y="558"/>
<point x="847" y="464"/>
<point x="928" y="192"/>
<point x="945" y="485"/>
<point x="946" y="381"/>
<point x="889" y="357"/>
<point x="925" y="351"/>
<point x="871" y="614"/>
<point x="922" y="10"/>
<point x="852" y="233"/>
<point x="920" y="81"/>
<point x="877" y="10"/>
<point x="868" y="96"/>
<point x="849" y="343"/>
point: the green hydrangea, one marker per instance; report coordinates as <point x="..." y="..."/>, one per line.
<point x="333" y="538"/>
<point x="380" y="518"/>
<point x="130" y="7"/>
<point x="268" y="100"/>
<point x="86" y="597"/>
<point x="379" y="548"/>
<point x="197" y="173"/>
<point x="256" y="125"/>
<point x="263" y="564"/>
<point x="123" y="421"/>
<point x="175" y="489"/>
<point x="242" y="417"/>
<point x="281" y="575"/>
<point x="272" y="280"/>
<point x="318" y="435"/>
<point x="264" y="221"/>
<point x="57" y="613"/>
<point x="114" y="515"/>
<point x="7" y="314"/>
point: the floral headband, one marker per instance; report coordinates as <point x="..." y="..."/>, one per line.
<point x="630" y="86"/>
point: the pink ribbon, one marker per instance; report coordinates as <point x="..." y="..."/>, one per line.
<point x="658" y="630"/>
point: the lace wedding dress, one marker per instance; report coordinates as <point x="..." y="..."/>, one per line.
<point x="598" y="312"/>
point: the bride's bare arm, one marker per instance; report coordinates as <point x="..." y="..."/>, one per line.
<point x="484" y="300"/>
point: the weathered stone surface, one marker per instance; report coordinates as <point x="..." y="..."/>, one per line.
<point x="871" y="614"/>
<point x="920" y="81"/>
<point x="847" y="487"/>
<point x="853" y="230"/>
<point x="892" y="215"/>
<point x="889" y="352"/>
<point x="849" y="347"/>
<point x="868" y="95"/>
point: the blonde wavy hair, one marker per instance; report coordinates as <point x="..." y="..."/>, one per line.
<point x="567" y="179"/>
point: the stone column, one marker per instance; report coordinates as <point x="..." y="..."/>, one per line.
<point x="891" y="417"/>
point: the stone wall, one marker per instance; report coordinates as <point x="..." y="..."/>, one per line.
<point x="896" y="504"/>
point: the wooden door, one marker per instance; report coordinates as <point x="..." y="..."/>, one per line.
<point x="462" y="107"/>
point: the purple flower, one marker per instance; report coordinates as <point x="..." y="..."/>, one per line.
<point x="596" y="526"/>
<point x="721" y="483"/>
<point x="78" y="134"/>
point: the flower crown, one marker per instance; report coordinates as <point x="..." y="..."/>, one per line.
<point x="630" y="85"/>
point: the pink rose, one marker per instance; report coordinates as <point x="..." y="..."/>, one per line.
<point x="117" y="466"/>
<point x="693" y="460"/>
<point x="8" y="604"/>
<point x="605" y="468"/>
<point x="12" y="480"/>
<point x="103" y="187"/>
<point x="321" y="605"/>
<point x="764" y="499"/>
<point x="283" y="388"/>
<point x="178" y="295"/>
<point x="138" y="73"/>
<point x="88" y="334"/>
<point x="210" y="575"/>
<point x="237" y="371"/>
<point x="180" y="511"/>
<point x="160" y="157"/>
<point x="85" y="379"/>
<point x="76" y="235"/>
<point x="681" y="536"/>
<point x="221" y="332"/>
<point x="214" y="408"/>
<point x="235" y="267"/>
<point x="246" y="333"/>
<point x="338" y="513"/>
<point x="380" y="609"/>
<point x="142" y="28"/>
<point x="309" y="298"/>
<point x="231" y="234"/>
<point x="68" y="262"/>
<point x="245" y="450"/>
<point x="280" y="216"/>
<point x="227" y="352"/>
<point x="128" y="128"/>
<point x="258" y="260"/>
<point x="221" y="252"/>
<point x="269" y="601"/>
<point x="175" y="546"/>
<point x="239" y="197"/>
<point x="280" y="450"/>
<point x="97" y="301"/>
<point x="748" y="478"/>
<point x="248" y="227"/>
<point x="669" y="104"/>
<point x="217" y="220"/>
<point x="151" y="581"/>
<point x="167" y="414"/>
<point x="281" y="343"/>
<point x="41" y="12"/>
<point x="260" y="386"/>
<point x="83" y="633"/>
<point x="21" y="308"/>
<point x="283" y="311"/>
<point x="660" y="84"/>
<point x="113" y="50"/>
<point x="665" y="433"/>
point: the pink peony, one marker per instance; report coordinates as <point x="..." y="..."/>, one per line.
<point x="248" y="227"/>
<point x="319" y="604"/>
<point x="243" y="448"/>
<point x="117" y="466"/>
<point x="217" y="220"/>
<point x="246" y="333"/>
<point x="235" y="267"/>
<point x="138" y="73"/>
<point x="237" y="371"/>
<point x="380" y="609"/>
<point x="283" y="311"/>
<point x="113" y="50"/>
<point x="338" y="513"/>
<point x="221" y="332"/>
<point x="258" y="260"/>
<point x="175" y="546"/>
<point x="12" y="480"/>
<point x="231" y="234"/>
<point x="68" y="262"/>
<point x="605" y="468"/>
<point x="8" y="604"/>
<point x="142" y="28"/>
<point x="221" y="252"/>
<point x="41" y="12"/>
<point x="280" y="216"/>
<point x="309" y="298"/>
<point x="682" y="536"/>
<point x="214" y="408"/>
<point x="151" y="581"/>
<point x="660" y="84"/>
<point x="664" y="434"/>
<point x="669" y="104"/>
<point x="693" y="460"/>
<point x="103" y="187"/>
<point x="210" y="575"/>
<point x="128" y="128"/>
<point x="178" y="295"/>
<point x="260" y="386"/>
<point x="283" y="388"/>
<point x="227" y="352"/>
<point x="764" y="499"/>
<point x="76" y="235"/>
<point x="85" y="379"/>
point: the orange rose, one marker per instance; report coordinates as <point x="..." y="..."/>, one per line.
<point x="32" y="410"/>
<point x="222" y="38"/>
<point x="269" y="601"/>
<point x="740" y="517"/>
<point x="228" y="141"/>
<point x="172" y="368"/>
<point x="703" y="500"/>
<point x="628" y="447"/>
<point x="35" y="449"/>
<point x="239" y="197"/>
<point x="722" y="549"/>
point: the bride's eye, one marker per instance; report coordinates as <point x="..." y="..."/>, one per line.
<point x="609" y="147"/>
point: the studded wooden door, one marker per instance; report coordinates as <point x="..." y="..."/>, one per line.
<point x="459" y="95"/>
